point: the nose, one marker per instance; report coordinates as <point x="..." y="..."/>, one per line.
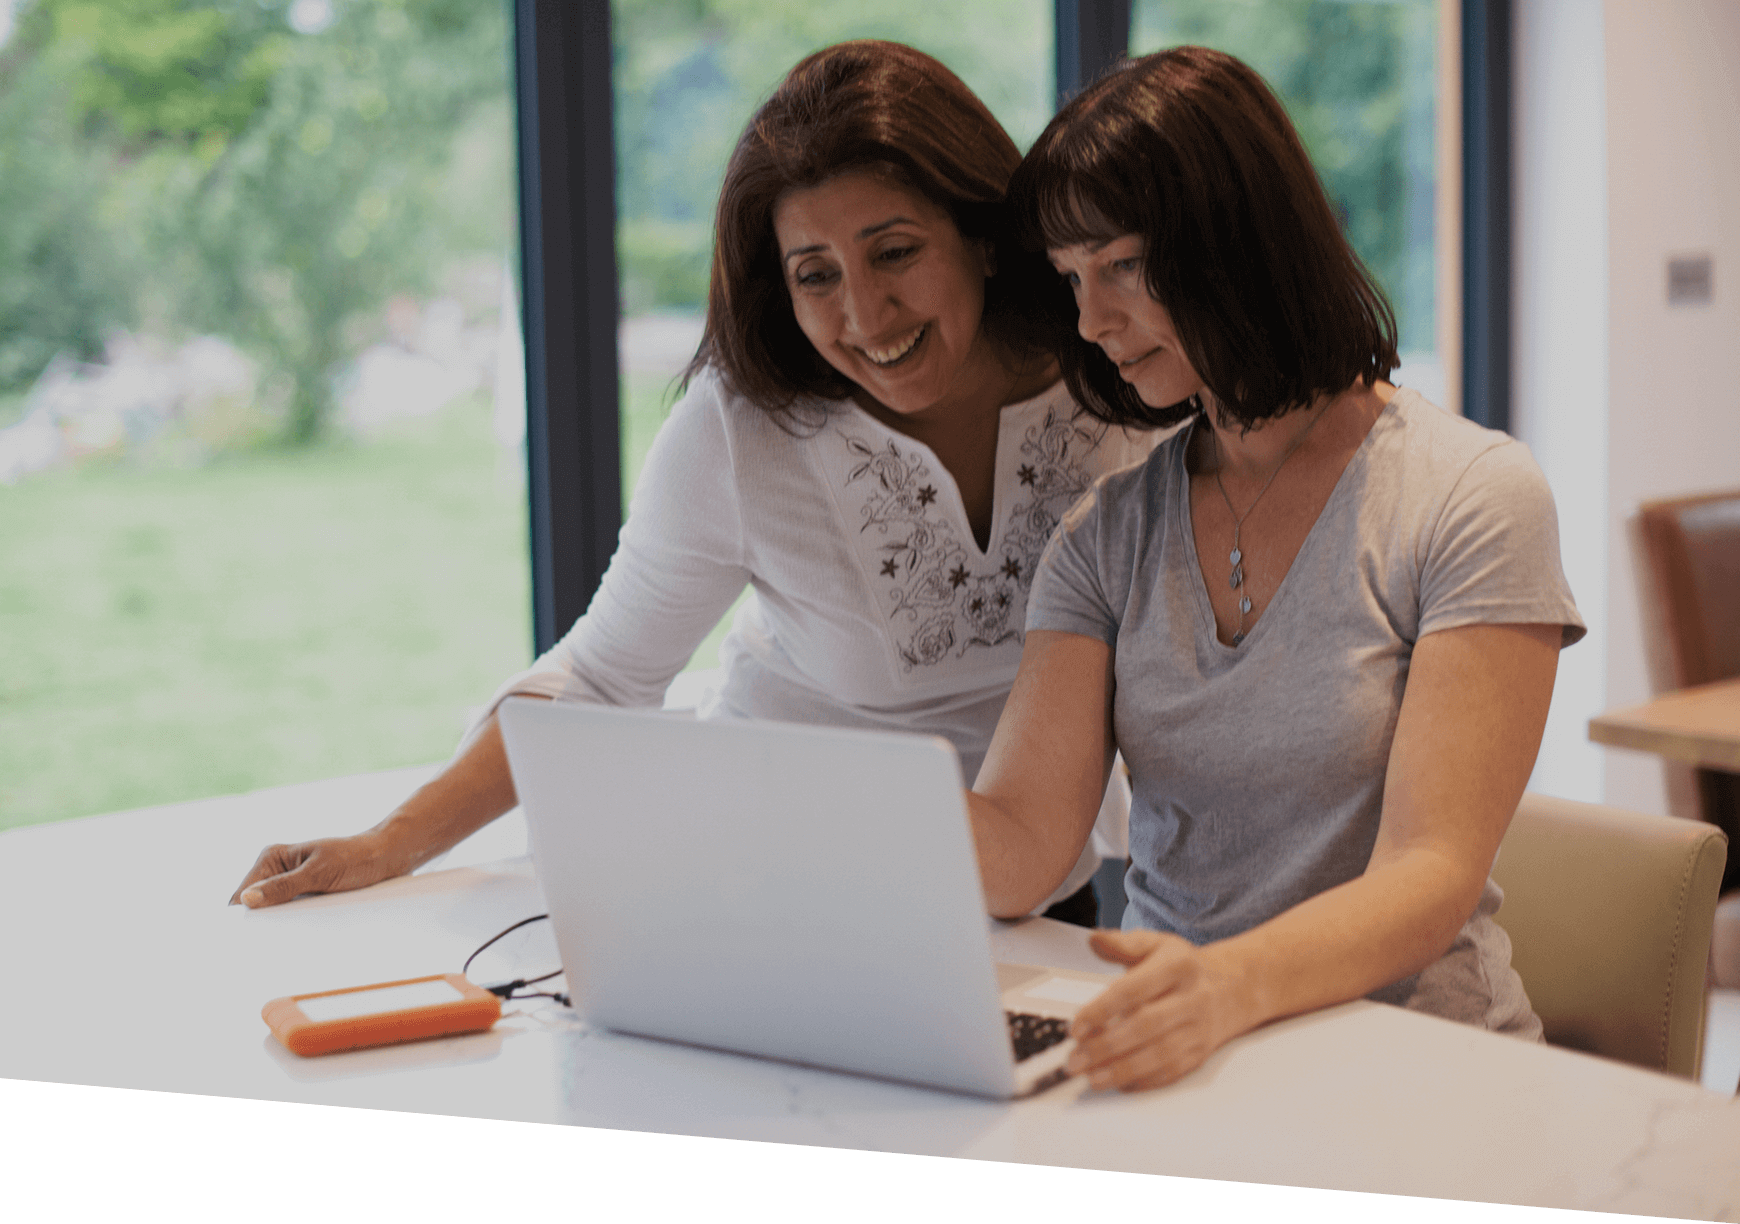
<point x="1096" y="318"/>
<point x="869" y="304"/>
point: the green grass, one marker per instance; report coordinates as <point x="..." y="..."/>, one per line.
<point x="277" y="616"/>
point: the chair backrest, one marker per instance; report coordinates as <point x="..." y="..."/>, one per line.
<point x="1691" y="571"/>
<point x="1609" y="916"/>
<point x="1687" y="551"/>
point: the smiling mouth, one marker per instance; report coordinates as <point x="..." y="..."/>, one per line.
<point x="1124" y="367"/>
<point x="894" y="354"/>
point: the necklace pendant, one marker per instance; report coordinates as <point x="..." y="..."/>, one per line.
<point x="1235" y="556"/>
<point x="1238" y="577"/>
<point x="1238" y="638"/>
<point x="1245" y="605"/>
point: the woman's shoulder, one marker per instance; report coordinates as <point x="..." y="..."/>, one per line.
<point x="1431" y="437"/>
<point x="1485" y="527"/>
<point x="1434" y="455"/>
<point x="708" y="405"/>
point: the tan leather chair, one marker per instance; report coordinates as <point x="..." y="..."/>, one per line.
<point x="1609" y="915"/>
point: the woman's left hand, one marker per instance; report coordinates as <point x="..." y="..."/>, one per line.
<point x="1173" y="1007"/>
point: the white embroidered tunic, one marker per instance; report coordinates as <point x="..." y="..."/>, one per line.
<point x="873" y="605"/>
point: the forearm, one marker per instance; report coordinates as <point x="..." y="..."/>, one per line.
<point x="1393" y="921"/>
<point x="1018" y="867"/>
<point x="1044" y="777"/>
<point x="474" y="789"/>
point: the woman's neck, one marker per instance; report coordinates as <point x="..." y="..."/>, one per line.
<point x="1254" y="454"/>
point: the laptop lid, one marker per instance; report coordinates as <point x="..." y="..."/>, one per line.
<point x="817" y="897"/>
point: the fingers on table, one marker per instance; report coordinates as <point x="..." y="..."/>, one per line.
<point x="1155" y="1045"/>
<point x="1149" y="1027"/>
<point x="276" y="870"/>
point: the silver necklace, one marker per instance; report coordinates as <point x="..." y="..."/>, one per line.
<point x="1237" y="556"/>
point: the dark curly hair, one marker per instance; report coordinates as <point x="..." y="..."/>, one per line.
<point x="866" y="105"/>
<point x="1190" y="149"/>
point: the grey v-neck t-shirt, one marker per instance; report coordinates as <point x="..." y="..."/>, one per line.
<point x="1259" y="770"/>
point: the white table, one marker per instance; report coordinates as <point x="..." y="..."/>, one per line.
<point x="147" y="980"/>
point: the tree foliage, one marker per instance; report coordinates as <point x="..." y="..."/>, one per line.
<point x="201" y="166"/>
<point x="262" y="183"/>
<point x="689" y="73"/>
<point x="60" y="286"/>
<point x="1358" y="78"/>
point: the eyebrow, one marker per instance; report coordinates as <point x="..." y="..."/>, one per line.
<point x="1093" y="248"/>
<point x="869" y="231"/>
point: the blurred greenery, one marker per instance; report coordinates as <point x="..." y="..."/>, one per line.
<point x="60" y="288"/>
<point x="278" y="615"/>
<point x="689" y="73"/>
<point x="1357" y="75"/>
<point x="1359" y="78"/>
<point x="212" y="170"/>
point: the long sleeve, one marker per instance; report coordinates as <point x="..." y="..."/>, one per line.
<point x="679" y="563"/>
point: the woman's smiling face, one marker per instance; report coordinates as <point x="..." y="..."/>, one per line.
<point x="887" y="289"/>
<point x="1117" y="312"/>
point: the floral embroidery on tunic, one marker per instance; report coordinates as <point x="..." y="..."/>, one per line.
<point x="944" y="598"/>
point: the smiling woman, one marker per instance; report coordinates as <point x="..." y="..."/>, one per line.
<point x="890" y="293"/>
<point x="871" y="438"/>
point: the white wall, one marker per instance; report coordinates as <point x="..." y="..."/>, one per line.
<point x="1673" y="156"/>
<point x="1559" y="370"/>
<point x="1627" y="152"/>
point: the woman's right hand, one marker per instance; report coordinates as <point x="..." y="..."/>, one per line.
<point x="473" y="790"/>
<point x="329" y="864"/>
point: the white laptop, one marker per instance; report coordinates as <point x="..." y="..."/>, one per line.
<point x="816" y="896"/>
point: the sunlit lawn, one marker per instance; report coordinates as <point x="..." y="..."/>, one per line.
<point x="273" y="617"/>
<point x="276" y="616"/>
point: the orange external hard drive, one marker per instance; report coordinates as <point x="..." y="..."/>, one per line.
<point x="410" y="1010"/>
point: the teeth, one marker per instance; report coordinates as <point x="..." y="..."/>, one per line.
<point x="894" y="353"/>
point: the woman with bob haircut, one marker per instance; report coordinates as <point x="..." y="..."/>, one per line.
<point x="872" y="437"/>
<point x="1321" y="622"/>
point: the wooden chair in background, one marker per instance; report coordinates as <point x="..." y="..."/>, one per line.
<point x="1688" y="554"/>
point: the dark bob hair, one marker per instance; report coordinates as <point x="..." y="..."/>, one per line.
<point x="1190" y="149"/>
<point x="865" y="105"/>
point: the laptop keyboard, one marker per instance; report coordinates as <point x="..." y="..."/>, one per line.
<point x="1030" y="1034"/>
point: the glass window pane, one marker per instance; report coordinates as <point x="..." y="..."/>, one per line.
<point x="688" y="74"/>
<point x="1360" y="80"/>
<point x="262" y="518"/>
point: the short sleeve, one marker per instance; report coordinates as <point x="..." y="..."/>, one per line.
<point x="1068" y="592"/>
<point x="1493" y="553"/>
<point x="680" y="562"/>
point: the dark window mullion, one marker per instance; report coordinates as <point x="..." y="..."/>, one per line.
<point x="1091" y="36"/>
<point x="1486" y="211"/>
<point x="569" y="296"/>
